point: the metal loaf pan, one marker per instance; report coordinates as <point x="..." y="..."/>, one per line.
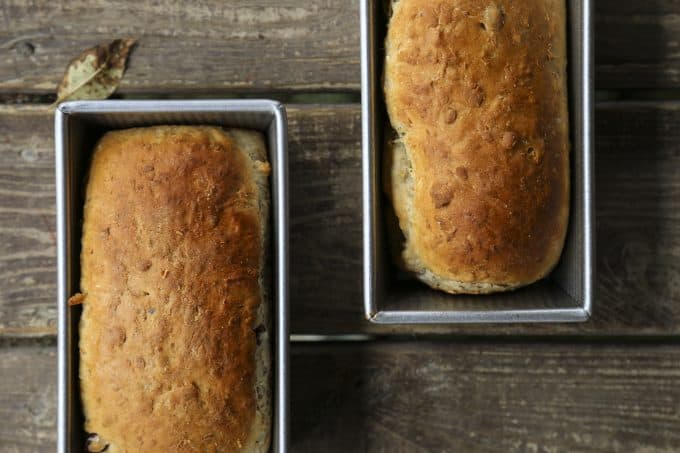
<point x="567" y="294"/>
<point x="78" y="125"/>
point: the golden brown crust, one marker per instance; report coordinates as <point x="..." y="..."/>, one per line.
<point x="172" y="258"/>
<point x="476" y="91"/>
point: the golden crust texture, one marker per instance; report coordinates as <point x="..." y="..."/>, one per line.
<point x="173" y="336"/>
<point x="479" y="172"/>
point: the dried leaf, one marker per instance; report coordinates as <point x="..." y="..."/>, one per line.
<point x="95" y="73"/>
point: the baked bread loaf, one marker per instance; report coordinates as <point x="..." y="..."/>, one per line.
<point x="174" y="350"/>
<point x="478" y="173"/>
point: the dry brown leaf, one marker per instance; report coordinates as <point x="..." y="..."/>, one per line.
<point x="95" y="73"/>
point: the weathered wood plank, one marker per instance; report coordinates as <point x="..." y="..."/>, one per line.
<point x="215" y="47"/>
<point x="482" y="397"/>
<point x="27" y="222"/>
<point x="638" y="218"/>
<point x="636" y="44"/>
<point x="211" y="46"/>
<point x="28" y="397"/>
<point x="485" y="397"/>
<point x="325" y="220"/>
<point x="638" y="208"/>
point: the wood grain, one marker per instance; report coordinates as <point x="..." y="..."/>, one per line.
<point x="485" y="397"/>
<point x="27" y="222"/>
<point x="213" y="46"/>
<point x="325" y="220"/>
<point x="208" y="47"/>
<point x="638" y="214"/>
<point x="417" y="397"/>
<point x="28" y="397"/>
<point x="636" y="44"/>
<point x="638" y="240"/>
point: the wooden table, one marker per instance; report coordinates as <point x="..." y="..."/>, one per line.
<point x="612" y="384"/>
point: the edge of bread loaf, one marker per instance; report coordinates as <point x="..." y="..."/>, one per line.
<point x="398" y="166"/>
<point x="252" y="143"/>
<point x="398" y="184"/>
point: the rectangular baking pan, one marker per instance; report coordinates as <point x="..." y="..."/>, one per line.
<point x="567" y="294"/>
<point x="78" y="125"/>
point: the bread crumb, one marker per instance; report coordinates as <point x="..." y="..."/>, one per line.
<point x="76" y="299"/>
<point x="263" y="167"/>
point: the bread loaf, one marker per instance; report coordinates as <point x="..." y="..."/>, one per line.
<point x="174" y="350"/>
<point x="478" y="173"/>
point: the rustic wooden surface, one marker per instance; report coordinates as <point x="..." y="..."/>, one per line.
<point x="638" y="238"/>
<point x="424" y="396"/>
<point x="609" y="385"/>
<point x="28" y="398"/>
<point x="636" y="44"/>
<point x="204" y="47"/>
<point x="243" y="45"/>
